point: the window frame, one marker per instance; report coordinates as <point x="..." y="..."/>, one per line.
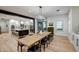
<point x="59" y="25"/>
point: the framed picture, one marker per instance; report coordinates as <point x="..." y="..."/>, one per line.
<point x="50" y="23"/>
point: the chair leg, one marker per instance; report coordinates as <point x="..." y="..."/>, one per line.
<point x="18" y="47"/>
<point x="21" y="48"/>
<point x="40" y="46"/>
<point x="47" y="44"/>
<point x="44" y="47"/>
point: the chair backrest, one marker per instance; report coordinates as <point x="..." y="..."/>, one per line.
<point x="51" y="29"/>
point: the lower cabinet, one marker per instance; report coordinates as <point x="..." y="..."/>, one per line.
<point x="76" y="41"/>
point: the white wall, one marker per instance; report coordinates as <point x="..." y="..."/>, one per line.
<point x="75" y="19"/>
<point x="36" y="28"/>
<point x="70" y="21"/>
<point x="70" y="26"/>
<point x="3" y="26"/>
<point x="63" y="18"/>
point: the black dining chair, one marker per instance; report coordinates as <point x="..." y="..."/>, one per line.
<point x="34" y="48"/>
<point x="44" y="42"/>
<point x="50" y="38"/>
<point x="50" y="29"/>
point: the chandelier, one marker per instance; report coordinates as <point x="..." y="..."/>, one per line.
<point x="40" y="16"/>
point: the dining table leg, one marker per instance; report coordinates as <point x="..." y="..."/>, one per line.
<point x="40" y="45"/>
<point x="19" y="45"/>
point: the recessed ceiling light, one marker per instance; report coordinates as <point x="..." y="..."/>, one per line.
<point x="58" y="10"/>
<point x="40" y="6"/>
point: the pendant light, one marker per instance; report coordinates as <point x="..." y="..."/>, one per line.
<point x="40" y="16"/>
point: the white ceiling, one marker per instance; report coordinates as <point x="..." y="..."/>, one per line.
<point x="33" y="11"/>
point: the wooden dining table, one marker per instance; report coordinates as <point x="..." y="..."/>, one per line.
<point x="31" y="40"/>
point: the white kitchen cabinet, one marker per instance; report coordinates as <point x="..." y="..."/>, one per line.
<point x="76" y="41"/>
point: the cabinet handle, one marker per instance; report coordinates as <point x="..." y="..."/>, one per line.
<point x="73" y="37"/>
<point x="77" y="42"/>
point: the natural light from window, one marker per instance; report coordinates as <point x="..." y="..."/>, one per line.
<point x="59" y="25"/>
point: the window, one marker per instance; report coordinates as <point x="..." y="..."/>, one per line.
<point x="59" y="25"/>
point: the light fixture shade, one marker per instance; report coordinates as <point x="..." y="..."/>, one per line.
<point x="22" y="22"/>
<point x="40" y="17"/>
<point x="40" y="14"/>
<point x="12" y="20"/>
